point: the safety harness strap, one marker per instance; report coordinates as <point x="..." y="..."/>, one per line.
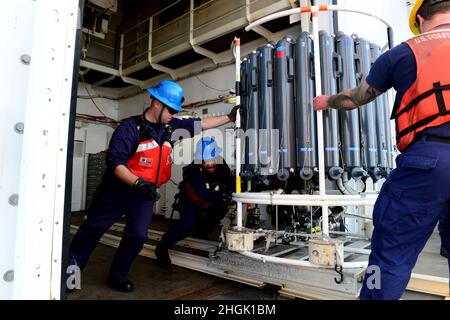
<point x="437" y="90"/>
<point x="421" y="123"/>
<point x="195" y="198"/>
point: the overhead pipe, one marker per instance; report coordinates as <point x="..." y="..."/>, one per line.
<point x="316" y="9"/>
<point x="269" y="36"/>
<point x="202" y="51"/>
<point x="119" y="72"/>
<point x="171" y="72"/>
<point x="124" y="78"/>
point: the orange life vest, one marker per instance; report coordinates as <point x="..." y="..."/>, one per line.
<point x="151" y="161"/>
<point x="427" y="102"/>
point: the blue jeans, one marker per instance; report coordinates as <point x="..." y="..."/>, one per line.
<point x="411" y="202"/>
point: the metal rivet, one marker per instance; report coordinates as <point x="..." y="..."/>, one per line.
<point x="25" y="59"/>
<point x="56" y="222"/>
<point x="9" y="276"/>
<point x="61" y="149"/>
<point x="13" y="200"/>
<point x="59" y="186"/>
<point x="19" y="127"/>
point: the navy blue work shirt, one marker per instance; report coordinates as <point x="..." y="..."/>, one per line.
<point x="197" y="179"/>
<point x="397" y="69"/>
<point x="126" y="138"/>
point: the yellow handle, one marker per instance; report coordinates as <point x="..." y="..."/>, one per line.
<point x="238" y="184"/>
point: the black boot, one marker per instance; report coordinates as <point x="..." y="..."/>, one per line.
<point x="122" y="286"/>
<point x="443" y="250"/>
<point x="162" y="256"/>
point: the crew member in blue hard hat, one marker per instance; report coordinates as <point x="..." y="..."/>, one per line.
<point x="139" y="161"/>
<point x="204" y="198"/>
<point x="417" y="194"/>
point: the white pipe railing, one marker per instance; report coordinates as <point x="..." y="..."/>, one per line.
<point x="301" y="10"/>
<point x="318" y="84"/>
<point x="237" y="56"/>
<point x="301" y="263"/>
<point x="300" y="197"/>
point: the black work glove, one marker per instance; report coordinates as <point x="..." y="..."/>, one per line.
<point x="233" y="113"/>
<point x="146" y="189"/>
<point x="167" y="136"/>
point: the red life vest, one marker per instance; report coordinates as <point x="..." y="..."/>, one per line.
<point x="427" y="102"/>
<point x="152" y="162"/>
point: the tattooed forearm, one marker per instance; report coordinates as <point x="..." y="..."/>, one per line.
<point x="354" y="98"/>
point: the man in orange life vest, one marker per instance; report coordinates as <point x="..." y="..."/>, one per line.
<point x="139" y="161"/>
<point x="417" y="194"/>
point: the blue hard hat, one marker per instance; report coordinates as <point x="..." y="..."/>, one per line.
<point x="168" y="92"/>
<point x="206" y="149"/>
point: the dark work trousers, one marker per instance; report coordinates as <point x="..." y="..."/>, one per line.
<point x="110" y="203"/>
<point x="411" y="202"/>
<point x="192" y="218"/>
<point x="441" y="224"/>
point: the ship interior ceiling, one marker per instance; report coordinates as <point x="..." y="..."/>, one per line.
<point x="304" y="212"/>
<point x="103" y="28"/>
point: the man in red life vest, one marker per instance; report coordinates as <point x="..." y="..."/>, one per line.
<point x="417" y="194"/>
<point x="139" y="161"/>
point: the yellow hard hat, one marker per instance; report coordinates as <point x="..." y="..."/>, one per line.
<point x="413" y="17"/>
